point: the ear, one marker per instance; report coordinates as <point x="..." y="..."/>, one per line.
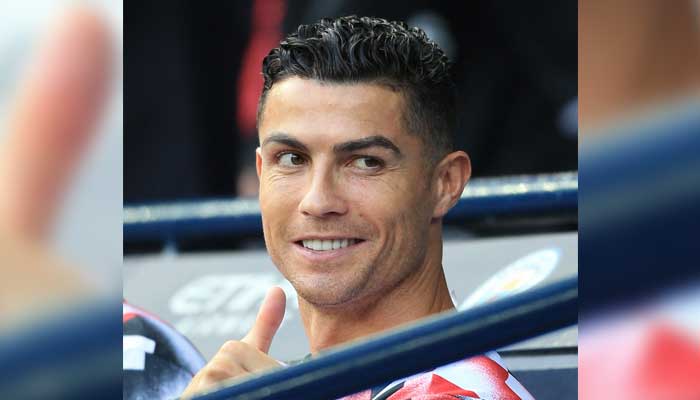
<point x="450" y="176"/>
<point x="258" y="161"/>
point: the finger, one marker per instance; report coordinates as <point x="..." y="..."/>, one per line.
<point x="51" y="120"/>
<point x="216" y="371"/>
<point x="34" y="282"/>
<point x="234" y="360"/>
<point x="220" y="368"/>
<point x="245" y="356"/>
<point x="268" y="320"/>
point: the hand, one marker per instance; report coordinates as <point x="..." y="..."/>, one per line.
<point x="239" y="358"/>
<point x="48" y="128"/>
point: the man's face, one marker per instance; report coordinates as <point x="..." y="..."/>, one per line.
<point x="344" y="192"/>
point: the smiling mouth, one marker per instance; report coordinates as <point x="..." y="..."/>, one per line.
<point x="326" y="245"/>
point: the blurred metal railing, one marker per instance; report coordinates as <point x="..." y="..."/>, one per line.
<point x="47" y="356"/>
<point x="640" y="208"/>
<point x="483" y="197"/>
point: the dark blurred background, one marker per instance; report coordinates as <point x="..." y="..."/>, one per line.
<point x="193" y="72"/>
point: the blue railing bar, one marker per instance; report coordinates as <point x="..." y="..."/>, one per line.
<point x="639" y="209"/>
<point x="40" y="359"/>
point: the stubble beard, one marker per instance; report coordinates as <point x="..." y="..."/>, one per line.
<point x="353" y="292"/>
<point x="329" y="291"/>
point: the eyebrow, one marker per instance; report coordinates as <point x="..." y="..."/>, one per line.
<point x="367" y="142"/>
<point x="287" y="140"/>
<point x="345" y="147"/>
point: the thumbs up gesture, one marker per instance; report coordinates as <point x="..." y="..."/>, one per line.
<point x="239" y="358"/>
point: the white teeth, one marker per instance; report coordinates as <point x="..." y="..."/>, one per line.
<point x="324" y="245"/>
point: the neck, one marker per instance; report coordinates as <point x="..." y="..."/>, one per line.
<point x="420" y="295"/>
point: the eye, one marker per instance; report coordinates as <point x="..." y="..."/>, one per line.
<point x="367" y="163"/>
<point x="290" y="159"/>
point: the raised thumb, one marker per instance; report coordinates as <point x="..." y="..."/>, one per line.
<point x="268" y="320"/>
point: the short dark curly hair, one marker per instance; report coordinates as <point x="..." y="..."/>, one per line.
<point x="355" y="49"/>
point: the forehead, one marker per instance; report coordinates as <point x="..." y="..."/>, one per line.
<point x="307" y="108"/>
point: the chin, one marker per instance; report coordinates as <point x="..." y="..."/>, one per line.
<point x="327" y="292"/>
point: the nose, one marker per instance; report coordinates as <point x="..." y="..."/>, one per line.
<point x="323" y="198"/>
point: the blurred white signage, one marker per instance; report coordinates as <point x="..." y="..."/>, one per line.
<point x="224" y="305"/>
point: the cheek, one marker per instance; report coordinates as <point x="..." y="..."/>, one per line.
<point x="377" y="190"/>
<point x="394" y="205"/>
<point x="278" y="202"/>
<point x="394" y="192"/>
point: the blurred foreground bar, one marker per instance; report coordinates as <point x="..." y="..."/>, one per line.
<point x="640" y="197"/>
<point x="74" y="353"/>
